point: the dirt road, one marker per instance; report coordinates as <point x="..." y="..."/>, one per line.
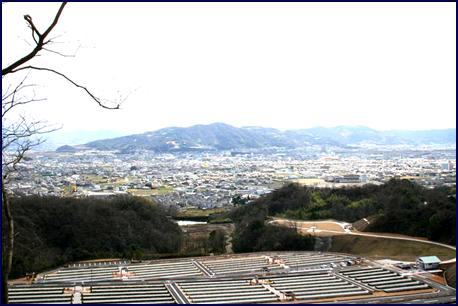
<point x="333" y="227"/>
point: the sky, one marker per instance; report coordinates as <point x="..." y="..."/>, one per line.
<point x="281" y="65"/>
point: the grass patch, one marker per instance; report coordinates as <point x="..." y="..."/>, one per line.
<point x="103" y="182"/>
<point x="95" y="179"/>
<point x="308" y="181"/>
<point x="199" y="213"/>
<point x="388" y="248"/>
<point x="150" y="192"/>
<point x="118" y="182"/>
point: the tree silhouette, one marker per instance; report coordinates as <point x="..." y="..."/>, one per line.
<point x="22" y="135"/>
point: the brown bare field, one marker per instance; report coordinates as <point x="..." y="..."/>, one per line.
<point x="322" y="226"/>
<point x="306" y="225"/>
<point x="450" y="275"/>
<point x="381" y="248"/>
<point x="392" y="235"/>
<point x="320" y="234"/>
<point x="436" y="278"/>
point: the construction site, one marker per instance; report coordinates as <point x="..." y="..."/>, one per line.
<point x="273" y="277"/>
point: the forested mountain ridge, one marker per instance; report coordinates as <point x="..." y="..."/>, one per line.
<point x="220" y="136"/>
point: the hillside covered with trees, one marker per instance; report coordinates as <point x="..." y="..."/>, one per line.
<point x="53" y="231"/>
<point x="252" y="234"/>
<point x="399" y="206"/>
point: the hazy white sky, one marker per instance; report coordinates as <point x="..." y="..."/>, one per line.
<point x="288" y="65"/>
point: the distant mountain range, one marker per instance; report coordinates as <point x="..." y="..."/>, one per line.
<point x="220" y="136"/>
<point x="64" y="137"/>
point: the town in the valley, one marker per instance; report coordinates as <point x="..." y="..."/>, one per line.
<point x="212" y="179"/>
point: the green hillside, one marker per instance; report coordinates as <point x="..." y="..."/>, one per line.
<point x="53" y="231"/>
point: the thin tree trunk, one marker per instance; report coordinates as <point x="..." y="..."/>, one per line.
<point x="7" y="259"/>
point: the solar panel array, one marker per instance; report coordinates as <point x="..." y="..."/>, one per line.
<point x="98" y="263"/>
<point x="240" y="265"/>
<point x="383" y="279"/>
<point x="88" y="274"/>
<point x="132" y="272"/>
<point x="190" y="268"/>
<point x="316" y="285"/>
<point x="164" y="270"/>
<point x="313" y="259"/>
<point x="150" y="293"/>
<point x="228" y="291"/>
<point x="203" y="280"/>
<point x="38" y="294"/>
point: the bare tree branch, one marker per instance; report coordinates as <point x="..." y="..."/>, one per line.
<point x="11" y="105"/>
<point x="40" y="41"/>
<point x="11" y="165"/>
<point x="33" y="28"/>
<point x="52" y="41"/>
<point x="18" y="87"/>
<point x="7" y="248"/>
<point x="58" y="53"/>
<point x="10" y="99"/>
<point x="96" y="99"/>
<point x="21" y="136"/>
<point x="13" y="134"/>
<point x="28" y="18"/>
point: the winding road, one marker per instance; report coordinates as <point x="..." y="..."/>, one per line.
<point x="342" y="228"/>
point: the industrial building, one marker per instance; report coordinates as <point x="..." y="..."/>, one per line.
<point x="428" y="262"/>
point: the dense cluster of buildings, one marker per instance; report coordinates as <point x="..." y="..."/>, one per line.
<point x="213" y="179"/>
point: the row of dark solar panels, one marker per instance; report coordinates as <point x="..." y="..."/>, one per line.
<point x="98" y="264"/>
<point x="181" y="269"/>
<point x="240" y="265"/>
<point x="294" y="260"/>
<point x="38" y="294"/>
<point x="134" y="272"/>
<point x="314" y="259"/>
<point x="307" y="286"/>
<point x="383" y="279"/>
<point x="230" y="291"/>
<point x="150" y="293"/>
<point x="147" y="293"/>
<point x="311" y="286"/>
<point x="316" y="285"/>
<point x="158" y="270"/>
